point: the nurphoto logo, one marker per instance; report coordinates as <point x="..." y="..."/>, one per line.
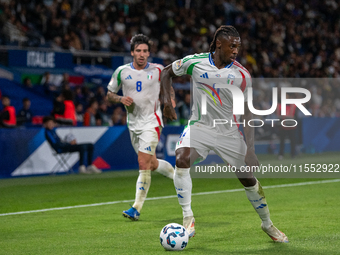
<point x="238" y="104"/>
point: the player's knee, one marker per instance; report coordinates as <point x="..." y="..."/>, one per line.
<point x="182" y="160"/>
<point x="154" y="163"/>
<point x="144" y="164"/>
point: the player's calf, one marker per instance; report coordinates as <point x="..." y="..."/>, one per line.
<point x="165" y="168"/>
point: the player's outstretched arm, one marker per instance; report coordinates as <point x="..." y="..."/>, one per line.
<point x="114" y="98"/>
<point x="167" y="95"/>
<point x="251" y="158"/>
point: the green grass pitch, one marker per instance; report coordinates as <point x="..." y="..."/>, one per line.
<point x="226" y="223"/>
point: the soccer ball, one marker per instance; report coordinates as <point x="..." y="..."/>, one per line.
<point x="174" y="237"/>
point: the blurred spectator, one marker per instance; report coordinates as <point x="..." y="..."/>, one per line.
<point x="184" y="109"/>
<point x="14" y="30"/>
<point x="79" y="113"/>
<point x="100" y="94"/>
<point x="103" y="115"/>
<point x="75" y="42"/>
<point x="56" y="43"/>
<point x="64" y="110"/>
<point x="50" y="86"/>
<point x="119" y="26"/>
<point x="70" y="146"/>
<point x="87" y="94"/>
<point x="65" y="83"/>
<point x="27" y="83"/>
<point x="102" y="40"/>
<point x="24" y="116"/>
<point x="90" y="114"/>
<point x="7" y="115"/>
<point x="99" y="120"/>
<point x="117" y="117"/>
<point x="79" y="98"/>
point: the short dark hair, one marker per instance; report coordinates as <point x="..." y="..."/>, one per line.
<point x="92" y="101"/>
<point x="140" y="39"/>
<point x="25" y="99"/>
<point x="27" y="79"/>
<point x="223" y="30"/>
<point x="48" y="118"/>
<point x="67" y="94"/>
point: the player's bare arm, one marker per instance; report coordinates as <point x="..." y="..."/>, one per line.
<point x="251" y="158"/>
<point x="168" y="93"/>
<point x="114" y="98"/>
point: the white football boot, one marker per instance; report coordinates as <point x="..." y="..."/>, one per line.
<point x="275" y="234"/>
<point x="189" y="224"/>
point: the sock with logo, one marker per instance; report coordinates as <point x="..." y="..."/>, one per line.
<point x="142" y="188"/>
<point x="183" y="185"/>
<point x="256" y="197"/>
<point x="165" y="168"/>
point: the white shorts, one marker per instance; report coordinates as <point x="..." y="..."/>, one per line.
<point x="231" y="149"/>
<point x="145" y="140"/>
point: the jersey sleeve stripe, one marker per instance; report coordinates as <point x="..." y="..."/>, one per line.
<point x="159" y="73"/>
<point x="244" y="83"/>
<point x="242" y="67"/>
<point x="119" y="78"/>
<point x="192" y="57"/>
<point x="191" y="68"/>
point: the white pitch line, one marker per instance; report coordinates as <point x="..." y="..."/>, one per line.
<point x="172" y="196"/>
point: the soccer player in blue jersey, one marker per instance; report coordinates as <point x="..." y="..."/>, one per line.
<point x="201" y="135"/>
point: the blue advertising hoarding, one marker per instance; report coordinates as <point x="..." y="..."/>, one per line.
<point x="40" y="59"/>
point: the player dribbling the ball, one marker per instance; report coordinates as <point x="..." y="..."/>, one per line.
<point x="201" y="136"/>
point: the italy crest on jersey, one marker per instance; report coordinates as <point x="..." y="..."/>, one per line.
<point x="149" y="75"/>
<point x="230" y="79"/>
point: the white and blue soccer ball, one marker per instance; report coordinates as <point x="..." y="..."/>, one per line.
<point x="174" y="237"/>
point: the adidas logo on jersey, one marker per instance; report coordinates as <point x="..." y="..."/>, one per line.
<point x="128" y="78"/>
<point x="148" y="148"/>
<point x="205" y="75"/>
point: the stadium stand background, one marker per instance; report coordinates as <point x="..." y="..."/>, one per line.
<point x="296" y="39"/>
<point x="279" y="38"/>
